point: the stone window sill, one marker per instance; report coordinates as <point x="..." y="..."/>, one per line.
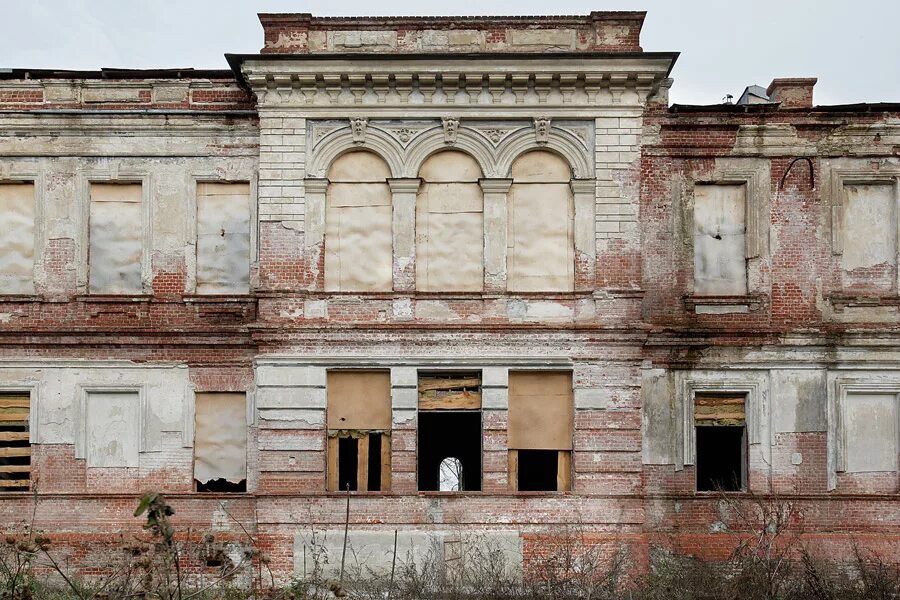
<point x="841" y="301"/>
<point x="717" y="305"/>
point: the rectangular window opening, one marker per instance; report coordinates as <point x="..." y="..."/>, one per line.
<point x="540" y="431"/>
<point x="449" y="451"/>
<point x="115" y="238"/>
<point x="15" y="449"/>
<point x="220" y="442"/>
<point x="721" y="435"/>
<point x="359" y="461"/>
<point x="449" y="434"/>
<point x="537" y="470"/>
<point x="348" y="463"/>
<point x="358" y="418"/>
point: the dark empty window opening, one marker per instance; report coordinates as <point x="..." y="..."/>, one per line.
<point x="374" y="474"/>
<point x="15" y="449"/>
<point x="348" y="463"/>
<point x="222" y="485"/>
<point x="721" y="458"/>
<point x="537" y="470"/>
<point x="360" y="461"/>
<point x="449" y="434"/>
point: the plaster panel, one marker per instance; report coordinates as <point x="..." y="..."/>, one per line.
<point x="112" y="425"/>
<point x="800" y="402"/>
<point x="870" y="430"/>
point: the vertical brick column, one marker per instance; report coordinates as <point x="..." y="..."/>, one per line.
<point x="290" y="403"/>
<point x="404" y="404"/>
<point x="617" y="167"/>
<point x="314" y="240"/>
<point x="585" y="193"/>
<point x="495" y="231"/>
<point x="404" y="231"/>
<point x="495" y="410"/>
<point x="282" y="167"/>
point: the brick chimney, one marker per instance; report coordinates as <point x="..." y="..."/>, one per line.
<point x="792" y="92"/>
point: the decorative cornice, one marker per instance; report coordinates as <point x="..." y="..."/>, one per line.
<point x="548" y="82"/>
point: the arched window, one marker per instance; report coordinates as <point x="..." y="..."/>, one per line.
<point x="541" y="214"/>
<point x="358" y="240"/>
<point x="450" y="225"/>
<point x="450" y="475"/>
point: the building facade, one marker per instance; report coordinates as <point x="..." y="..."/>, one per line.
<point x="476" y="273"/>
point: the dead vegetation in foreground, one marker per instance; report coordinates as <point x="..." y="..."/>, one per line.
<point x="771" y="563"/>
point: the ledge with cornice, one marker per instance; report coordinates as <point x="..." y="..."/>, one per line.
<point x="558" y="84"/>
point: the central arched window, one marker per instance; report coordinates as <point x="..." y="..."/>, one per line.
<point x="450" y="225"/>
<point x="358" y="239"/>
<point x="541" y="216"/>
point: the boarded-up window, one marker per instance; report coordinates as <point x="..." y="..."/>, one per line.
<point x="541" y="414"/>
<point x="16" y="238"/>
<point x="223" y="238"/>
<point x="450" y="225"/>
<point x="112" y="429"/>
<point x="721" y="441"/>
<point x="869" y="421"/>
<point x="15" y="449"/>
<point x="114" y="259"/>
<point x="220" y="441"/>
<point x="869" y="242"/>
<point x="358" y="418"/>
<point x="541" y="217"/>
<point x="720" y="266"/>
<point x="358" y="231"/>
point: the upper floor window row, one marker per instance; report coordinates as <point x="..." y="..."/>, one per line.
<point x="454" y="228"/>
<point x="116" y="254"/>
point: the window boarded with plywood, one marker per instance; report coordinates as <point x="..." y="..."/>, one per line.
<point x="450" y="391"/>
<point x="223" y="238"/>
<point x="540" y="430"/>
<point x="17" y="206"/>
<point x="869" y="237"/>
<point x="720" y="409"/>
<point x="541" y="225"/>
<point x="450" y="225"/>
<point x="220" y="440"/>
<point x="869" y="423"/>
<point x="720" y="240"/>
<point x="358" y="225"/>
<point x="358" y="419"/>
<point x="15" y="449"/>
<point x="116" y="234"/>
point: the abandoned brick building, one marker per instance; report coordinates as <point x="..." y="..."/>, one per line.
<point x="477" y="271"/>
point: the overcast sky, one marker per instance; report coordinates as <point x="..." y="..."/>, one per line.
<point x="853" y="47"/>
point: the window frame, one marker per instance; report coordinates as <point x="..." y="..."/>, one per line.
<point x="83" y="201"/>
<point x="198" y="178"/>
<point x="36" y="179"/>
<point x="839" y="387"/>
